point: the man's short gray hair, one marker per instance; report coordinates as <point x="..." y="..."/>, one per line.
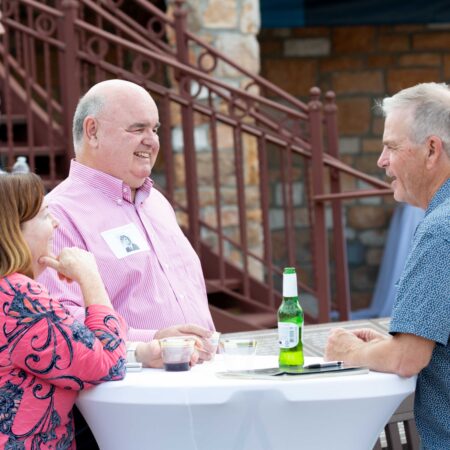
<point x="430" y="106"/>
<point x="88" y="105"/>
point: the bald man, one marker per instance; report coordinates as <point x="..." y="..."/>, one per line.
<point x="157" y="285"/>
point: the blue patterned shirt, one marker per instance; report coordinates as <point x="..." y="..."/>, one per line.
<point x="422" y="308"/>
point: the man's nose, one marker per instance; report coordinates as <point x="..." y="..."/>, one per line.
<point x="383" y="160"/>
<point x="150" y="138"/>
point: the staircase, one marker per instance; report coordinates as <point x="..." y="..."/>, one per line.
<point x="54" y="50"/>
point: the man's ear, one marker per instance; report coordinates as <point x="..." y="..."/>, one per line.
<point x="434" y="150"/>
<point x="90" y="127"/>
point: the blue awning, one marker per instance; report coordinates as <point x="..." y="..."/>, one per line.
<point x="301" y="13"/>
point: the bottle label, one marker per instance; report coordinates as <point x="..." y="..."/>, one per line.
<point x="290" y="285"/>
<point x="288" y="334"/>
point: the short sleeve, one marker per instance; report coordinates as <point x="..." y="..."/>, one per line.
<point x="422" y="305"/>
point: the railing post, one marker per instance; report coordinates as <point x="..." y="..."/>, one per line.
<point x="69" y="71"/>
<point x="188" y="126"/>
<point x="180" y="19"/>
<point x="319" y="230"/>
<point x="339" y="243"/>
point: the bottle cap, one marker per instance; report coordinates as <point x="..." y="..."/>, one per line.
<point x="20" y="166"/>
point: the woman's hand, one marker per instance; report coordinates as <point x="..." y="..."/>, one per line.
<point x="72" y="264"/>
<point x="75" y="264"/>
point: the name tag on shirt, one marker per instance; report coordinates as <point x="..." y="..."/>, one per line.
<point x="125" y="240"/>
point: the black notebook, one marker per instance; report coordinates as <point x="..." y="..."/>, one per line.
<point x="305" y="372"/>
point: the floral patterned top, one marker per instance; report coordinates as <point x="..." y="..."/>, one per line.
<point x="46" y="357"/>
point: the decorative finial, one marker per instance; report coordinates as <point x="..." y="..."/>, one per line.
<point x="330" y="101"/>
<point x="314" y="103"/>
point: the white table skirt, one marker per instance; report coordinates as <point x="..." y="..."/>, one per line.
<point x="197" y="410"/>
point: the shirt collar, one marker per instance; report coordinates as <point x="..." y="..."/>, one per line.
<point x="110" y="186"/>
<point x="442" y="194"/>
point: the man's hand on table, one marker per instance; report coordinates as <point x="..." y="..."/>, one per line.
<point x="203" y="347"/>
<point x="368" y="334"/>
<point x="404" y="354"/>
<point x="149" y="354"/>
<point x="341" y="345"/>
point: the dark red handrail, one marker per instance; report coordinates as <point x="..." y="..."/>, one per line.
<point x="251" y="200"/>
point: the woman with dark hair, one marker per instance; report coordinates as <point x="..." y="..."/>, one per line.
<point x="46" y="356"/>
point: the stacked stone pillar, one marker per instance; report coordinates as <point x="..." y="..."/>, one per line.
<point x="230" y="27"/>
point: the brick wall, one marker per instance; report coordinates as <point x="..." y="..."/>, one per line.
<point x="361" y="64"/>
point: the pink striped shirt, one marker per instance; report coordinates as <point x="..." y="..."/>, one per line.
<point x="151" y="272"/>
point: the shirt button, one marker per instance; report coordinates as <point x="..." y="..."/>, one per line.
<point x="181" y="296"/>
<point x="166" y="266"/>
<point x="124" y="190"/>
<point x="119" y="201"/>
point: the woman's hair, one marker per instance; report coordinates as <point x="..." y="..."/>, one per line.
<point x="21" y="197"/>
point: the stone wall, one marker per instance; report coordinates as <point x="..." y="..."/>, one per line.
<point x="231" y="27"/>
<point x="361" y="64"/>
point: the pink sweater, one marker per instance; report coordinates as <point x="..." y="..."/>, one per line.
<point x="46" y="357"/>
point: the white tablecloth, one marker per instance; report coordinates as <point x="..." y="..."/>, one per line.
<point x="197" y="410"/>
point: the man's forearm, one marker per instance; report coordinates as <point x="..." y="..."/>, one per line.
<point x="140" y="335"/>
<point x="379" y="355"/>
<point x="403" y="354"/>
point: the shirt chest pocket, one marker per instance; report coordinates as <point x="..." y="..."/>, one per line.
<point x="185" y="260"/>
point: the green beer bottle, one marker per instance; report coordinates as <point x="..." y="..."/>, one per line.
<point x="290" y="323"/>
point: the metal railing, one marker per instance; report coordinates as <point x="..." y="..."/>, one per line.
<point x="245" y="173"/>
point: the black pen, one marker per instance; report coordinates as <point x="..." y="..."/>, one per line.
<point x="324" y="365"/>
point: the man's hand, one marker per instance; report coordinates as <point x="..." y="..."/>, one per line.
<point x="149" y="354"/>
<point x="341" y="344"/>
<point x="368" y="335"/>
<point x="204" y="348"/>
<point x="404" y="354"/>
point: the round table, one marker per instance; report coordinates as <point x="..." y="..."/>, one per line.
<point x="197" y="410"/>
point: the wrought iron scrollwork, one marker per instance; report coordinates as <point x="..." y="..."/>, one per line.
<point x="207" y="61"/>
<point x="143" y="67"/>
<point x="97" y="47"/>
<point x="252" y="87"/>
<point x="45" y="24"/>
<point x="156" y="27"/>
<point x="239" y="107"/>
<point x="10" y="7"/>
